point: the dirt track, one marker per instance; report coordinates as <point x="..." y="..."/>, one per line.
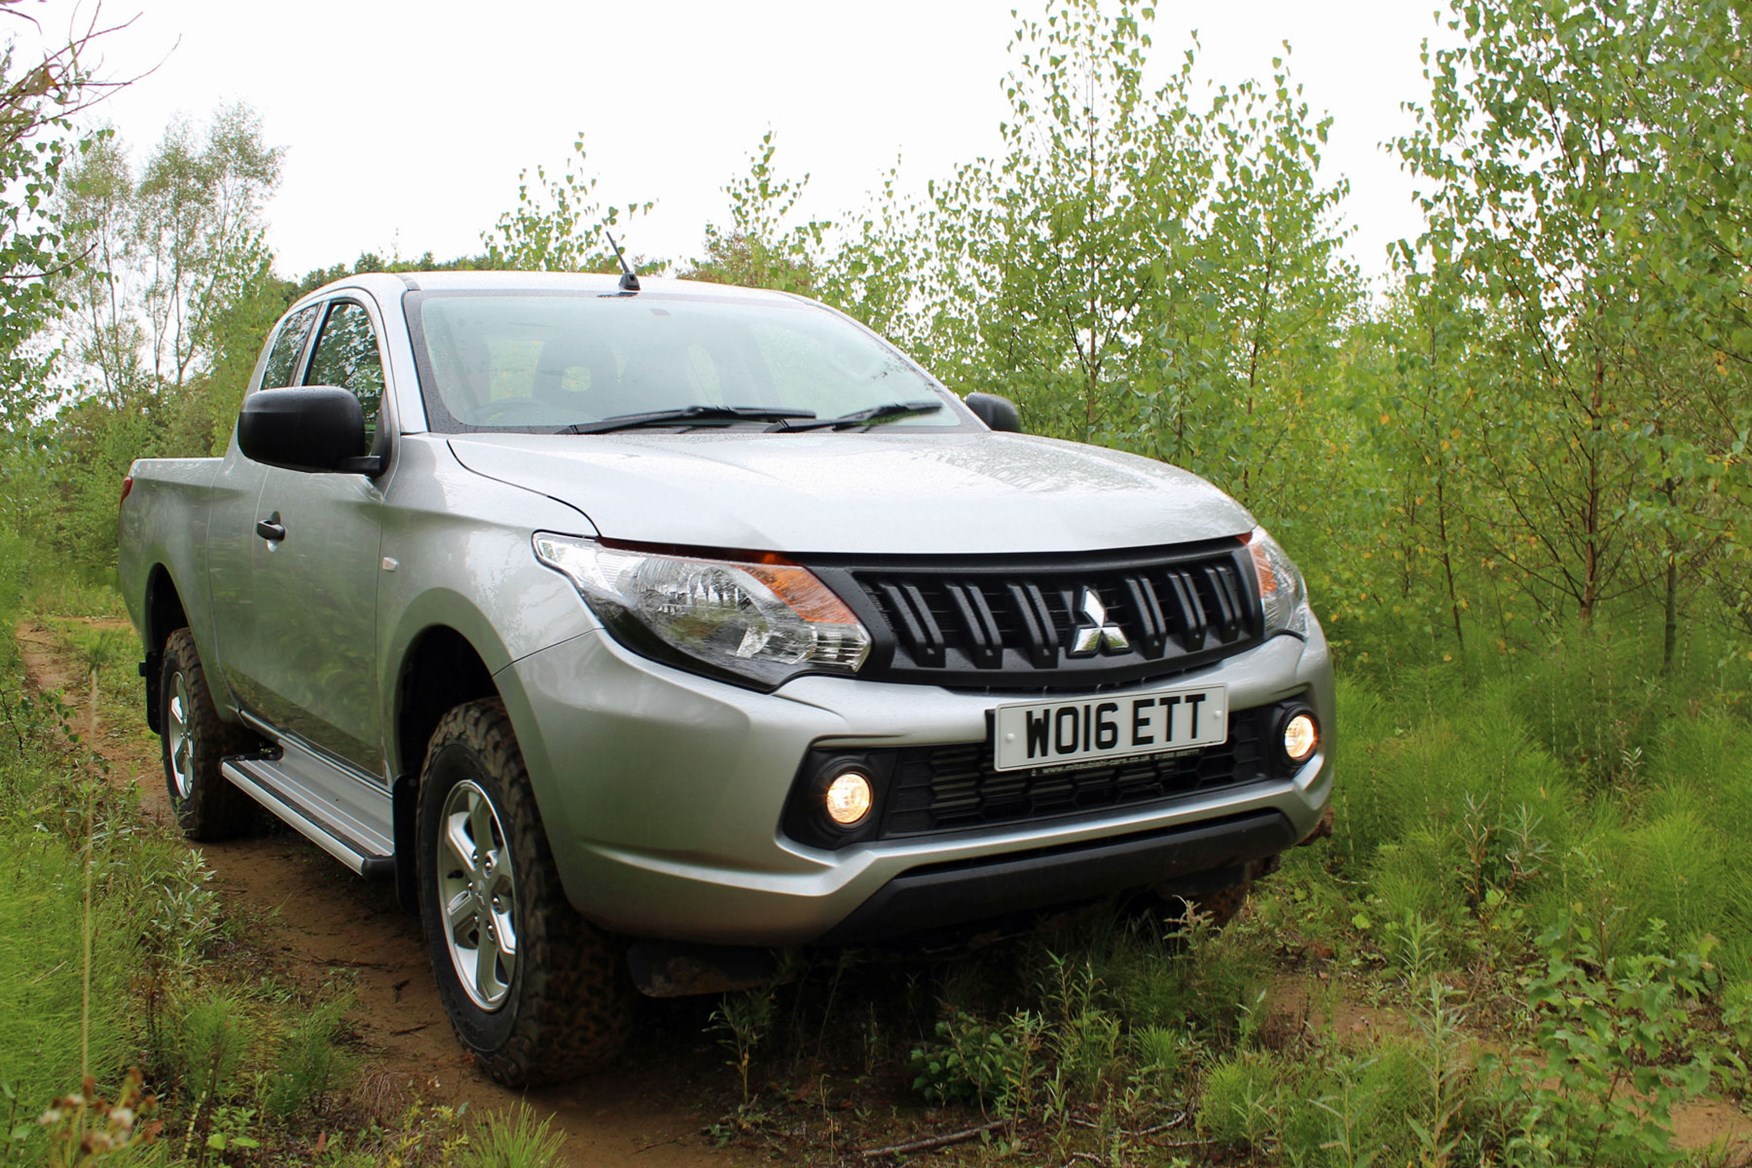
<point x="314" y="921"/>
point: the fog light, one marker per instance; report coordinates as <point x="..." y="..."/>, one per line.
<point x="1300" y="737"/>
<point x="849" y="798"/>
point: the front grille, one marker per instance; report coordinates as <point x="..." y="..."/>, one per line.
<point x="950" y="788"/>
<point x="1016" y="624"/>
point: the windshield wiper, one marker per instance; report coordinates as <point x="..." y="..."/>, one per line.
<point x="869" y="417"/>
<point x="688" y="414"/>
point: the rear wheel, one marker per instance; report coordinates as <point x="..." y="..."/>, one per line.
<point x="194" y="740"/>
<point x="535" y="991"/>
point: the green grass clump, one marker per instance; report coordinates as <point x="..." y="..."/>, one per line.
<point x="310" y="1065"/>
<point x="1244" y="1098"/>
<point x="513" y="1139"/>
<point x="43" y="995"/>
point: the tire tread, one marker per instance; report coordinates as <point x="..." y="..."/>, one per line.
<point x="572" y="1009"/>
<point x="215" y="809"/>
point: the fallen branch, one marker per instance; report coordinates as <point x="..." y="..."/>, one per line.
<point x="930" y="1143"/>
<point x="1155" y="1129"/>
<point x="1172" y="1144"/>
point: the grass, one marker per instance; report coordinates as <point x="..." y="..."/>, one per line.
<point x="1537" y="895"/>
<point x="120" y="1025"/>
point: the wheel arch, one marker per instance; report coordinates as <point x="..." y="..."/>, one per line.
<point x="440" y="670"/>
<point x="164" y="614"/>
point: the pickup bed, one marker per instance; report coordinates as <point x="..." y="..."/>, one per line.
<point x="639" y="632"/>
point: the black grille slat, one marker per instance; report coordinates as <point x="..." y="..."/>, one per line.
<point x="1152" y="630"/>
<point x="984" y="642"/>
<point x="1009" y="623"/>
<point x="1039" y="632"/>
<point x="952" y="788"/>
<point x="917" y="624"/>
<point x="1192" y="613"/>
<point x="1228" y="600"/>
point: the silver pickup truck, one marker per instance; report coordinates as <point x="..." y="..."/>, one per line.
<point x="639" y="632"/>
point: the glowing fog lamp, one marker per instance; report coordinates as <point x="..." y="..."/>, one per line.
<point x="1301" y="737"/>
<point x="849" y="798"/>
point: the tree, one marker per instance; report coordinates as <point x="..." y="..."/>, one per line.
<point x="154" y="326"/>
<point x="1254" y="301"/>
<point x="175" y="249"/>
<point x="761" y="247"/>
<point x="1555" y="163"/>
<point x="557" y="225"/>
<point x="38" y="142"/>
<point x="1141" y="269"/>
<point x="1046" y="254"/>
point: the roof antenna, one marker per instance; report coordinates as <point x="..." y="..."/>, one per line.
<point x="628" y="281"/>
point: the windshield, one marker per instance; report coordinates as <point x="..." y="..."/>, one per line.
<point x="546" y="362"/>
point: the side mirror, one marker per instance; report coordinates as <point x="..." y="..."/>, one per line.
<point x="998" y="413"/>
<point x="311" y="428"/>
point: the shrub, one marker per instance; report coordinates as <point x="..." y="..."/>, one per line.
<point x="513" y="1139"/>
<point x="972" y="1061"/>
<point x="1612" y="1058"/>
<point x="1243" y="1099"/>
<point x="309" y="1064"/>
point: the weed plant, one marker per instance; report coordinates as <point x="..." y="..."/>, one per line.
<point x="110" y="930"/>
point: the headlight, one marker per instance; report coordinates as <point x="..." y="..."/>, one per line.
<point x="765" y="621"/>
<point x="1281" y="591"/>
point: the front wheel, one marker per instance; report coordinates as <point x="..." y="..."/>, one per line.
<point x="194" y="740"/>
<point x="534" y="990"/>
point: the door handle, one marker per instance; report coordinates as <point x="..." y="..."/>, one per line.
<point x="271" y="529"/>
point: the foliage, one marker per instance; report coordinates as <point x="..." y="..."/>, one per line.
<point x="1611" y="1061"/>
<point x="38" y="145"/>
<point x="558" y="225"/>
<point x="760" y="248"/>
<point x="175" y="246"/>
<point x="742" y="1021"/>
<point x="516" y="1139"/>
<point x="163" y="323"/>
<point x="1548" y="147"/>
<point x="970" y="1061"/>
<point x="310" y="1064"/>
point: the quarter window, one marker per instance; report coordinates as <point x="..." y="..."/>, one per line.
<point x="288" y="347"/>
<point x="346" y="355"/>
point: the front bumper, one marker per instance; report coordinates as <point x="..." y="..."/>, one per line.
<point x="663" y="794"/>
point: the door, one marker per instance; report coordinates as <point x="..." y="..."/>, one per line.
<point x="231" y="527"/>
<point x="314" y="664"/>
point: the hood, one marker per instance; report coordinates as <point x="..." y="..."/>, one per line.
<point x="875" y="493"/>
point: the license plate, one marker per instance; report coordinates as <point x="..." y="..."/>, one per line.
<point x="1053" y="733"/>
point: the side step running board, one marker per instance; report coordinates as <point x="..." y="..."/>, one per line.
<point x="260" y="779"/>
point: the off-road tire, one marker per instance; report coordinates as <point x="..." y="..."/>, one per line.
<point x="206" y="805"/>
<point x="568" y="1006"/>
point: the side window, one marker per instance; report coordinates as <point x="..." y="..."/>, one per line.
<point x="288" y="347"/>
<point x="346" y="355"/>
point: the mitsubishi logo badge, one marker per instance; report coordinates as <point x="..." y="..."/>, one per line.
<point x="1097" y="634"/>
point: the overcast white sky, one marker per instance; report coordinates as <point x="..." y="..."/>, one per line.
<point x="405" y="124"/>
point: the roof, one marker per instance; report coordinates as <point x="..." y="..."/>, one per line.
<point x="391" y="284"/>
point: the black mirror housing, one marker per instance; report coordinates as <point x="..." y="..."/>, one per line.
<point x="318" y="428"/>
<point x="998" y="413"/>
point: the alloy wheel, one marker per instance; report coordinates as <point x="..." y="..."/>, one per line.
<point x="478" y="895"/>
